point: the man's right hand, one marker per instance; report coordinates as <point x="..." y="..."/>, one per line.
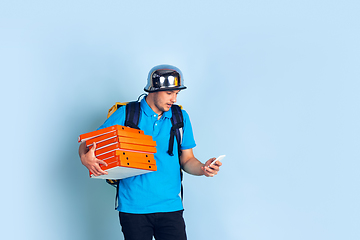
<point x="89" y="160"/>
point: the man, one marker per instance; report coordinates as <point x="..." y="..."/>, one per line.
<point x="150" y="204"/>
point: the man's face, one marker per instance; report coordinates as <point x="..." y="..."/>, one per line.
<point x="163" y="100"/>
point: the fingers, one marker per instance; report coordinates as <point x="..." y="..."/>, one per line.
<point x="101" y="162"/>
<point x="216" y="165"/>
<point x="93" y="163"/>
<point x="211" y="168"/>
<point x="93" y="148"/>
<point x="210" y="171"/>
<point x="96" y="169"/>
<point x="208" y="162"/>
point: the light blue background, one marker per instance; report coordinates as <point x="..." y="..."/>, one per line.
<point x="274" y="85"/>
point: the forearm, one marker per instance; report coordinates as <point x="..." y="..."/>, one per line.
<point x="193" y="166"/>
<point x="82" y="150"/>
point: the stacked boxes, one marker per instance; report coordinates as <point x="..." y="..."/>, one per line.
<point x="127" y="151"/>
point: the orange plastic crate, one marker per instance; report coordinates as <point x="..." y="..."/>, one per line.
<point x="125" y="131"/>
<point x="137" y="141"/>
<point x="125" y="147"/>
<point x="118" y="168"/>
<point x="127" y="151"/>
<point x="130" y="156"/>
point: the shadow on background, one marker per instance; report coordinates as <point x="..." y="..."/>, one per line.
<point x="90" y="201"/>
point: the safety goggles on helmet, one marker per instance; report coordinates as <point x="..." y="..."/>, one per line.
<point x="164" y="77"/>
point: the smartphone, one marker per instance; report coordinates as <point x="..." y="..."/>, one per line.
<point x="220" y="158"/>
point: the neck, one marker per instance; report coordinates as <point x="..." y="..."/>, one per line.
<point x="159" y="116"/>
<point x="150" y="101"/>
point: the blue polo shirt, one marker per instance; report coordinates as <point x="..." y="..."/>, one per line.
<point x="156" y="191"/>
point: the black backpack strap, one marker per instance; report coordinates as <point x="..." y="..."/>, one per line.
<point x="132" y="114"/>
<point x="177" y="121"/>
<point x="112" y="182"/>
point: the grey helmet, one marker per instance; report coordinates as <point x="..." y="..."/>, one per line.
<point x="164" y="77"/>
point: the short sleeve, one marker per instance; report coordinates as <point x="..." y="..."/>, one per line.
<point x="188" y="140"/>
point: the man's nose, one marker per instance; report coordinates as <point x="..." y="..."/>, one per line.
<point x="173" y="99"/>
